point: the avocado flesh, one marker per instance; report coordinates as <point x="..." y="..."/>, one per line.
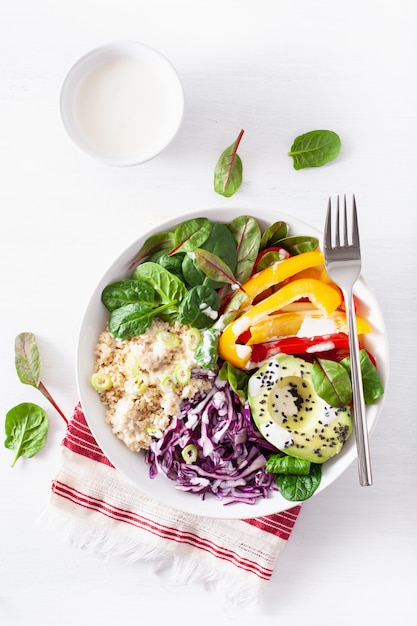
<point x="291" y="416"/>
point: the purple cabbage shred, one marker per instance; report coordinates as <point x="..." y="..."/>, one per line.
<point x="230" y="461"/>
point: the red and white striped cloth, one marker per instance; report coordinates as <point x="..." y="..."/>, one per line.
<point x="97" y="509"/>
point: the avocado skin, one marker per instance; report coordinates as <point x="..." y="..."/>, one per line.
<point x="289" y="414"/>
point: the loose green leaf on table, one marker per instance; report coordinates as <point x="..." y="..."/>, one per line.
<point x="29" y="366"/>
<point x="315" y="148"/>
<point x="228" y="170"/>
<point x="26" y="429"/>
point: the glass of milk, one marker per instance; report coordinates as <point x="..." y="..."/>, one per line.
<point x="122" y="103"/>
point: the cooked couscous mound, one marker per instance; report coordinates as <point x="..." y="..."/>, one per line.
<point x="150" y="375"/>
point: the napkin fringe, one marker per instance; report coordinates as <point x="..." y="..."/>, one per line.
<point x="180" y="570"/>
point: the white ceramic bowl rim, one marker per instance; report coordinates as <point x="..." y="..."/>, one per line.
<point x="101" y="54"/>
<point x="132" y="464"/>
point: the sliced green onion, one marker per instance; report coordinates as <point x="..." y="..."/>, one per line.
<point x="190" y="453"/>
<point x="152" y="431"/>
<point x="168" y="383"/>
<point x="192" y="338"/>
<point x="182" y="373"/>
<point x="171" y="340"/>
<point x="131" y="364"/>
<point x="137" y="385"/>
<point x="101" y="381"/>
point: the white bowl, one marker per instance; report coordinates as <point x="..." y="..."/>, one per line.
<point x="132" y="464"/>
<point x="122" y="103"/>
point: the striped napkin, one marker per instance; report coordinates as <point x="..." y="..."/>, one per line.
<point x="95" y="508"/>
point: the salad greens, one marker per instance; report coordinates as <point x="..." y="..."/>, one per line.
<point x="315" y="148"/>
<point x="26" y="424"/>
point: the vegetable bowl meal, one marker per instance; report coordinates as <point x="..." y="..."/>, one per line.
<point x="213" y="364"/>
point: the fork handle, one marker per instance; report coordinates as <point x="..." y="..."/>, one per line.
<point x="361" y="430"/>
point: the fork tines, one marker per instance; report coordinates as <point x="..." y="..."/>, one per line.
<point x="328" y="226"/>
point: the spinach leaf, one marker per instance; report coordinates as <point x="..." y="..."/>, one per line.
<point x="26" y="429"/>
<point x="299" y="244"/>
<point x="372" y="383"/>
<point x="132" y="319"/>
<point x="29" y="366"/>
<point x="315" y="148"/>
<point x="191" y="234"/>
<point x="170" y="289"/>
<point x="285" y="464"/>
<point x="171" y="263"/>
<point x="298" y="488"/>
<point x="331" y="382"/>
<point x="273" y="234"/>
<point x="247" y="236"/>
<point x="127" y="291"/>
<point x="159" y="241"/>
<point x="222" y="244"/>
<point x="228" y="170"/>
<point x="198" y="307"/>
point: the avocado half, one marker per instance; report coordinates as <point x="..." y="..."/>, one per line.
<point x="291" y="416"/>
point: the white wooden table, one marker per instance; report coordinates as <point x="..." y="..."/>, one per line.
<point x="276" y="69"/>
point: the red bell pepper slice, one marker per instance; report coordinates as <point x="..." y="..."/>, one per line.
<point x="299" y="345"/>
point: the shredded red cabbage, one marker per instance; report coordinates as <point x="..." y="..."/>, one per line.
<point x="229" y="462"/>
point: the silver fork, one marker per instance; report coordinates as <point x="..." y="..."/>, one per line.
<point x="343" y="264"/>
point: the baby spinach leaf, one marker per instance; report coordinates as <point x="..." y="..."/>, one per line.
<point x="26" y="429"/>
<point x="298" y="488"/>
<point x="247" y="236"/>
<point x="198" y="306"/>
<point x="213" y="267"/>
<point x="170" y="289"/>
<point x="228" y="170"/>
<point x="191" y="234"/>
<point x="273" y="234"/>
<point x="315" y="148"/>
<point x="332" y="382"/>
<point x="285" y="464"/>
<point x="372" y="383"/>
<point x="171" y="263"/>
<point x="299" y="244"/>
<point x="133" y="319"/>
<point x="159" y="241"/>
<point x="127" y="291"/>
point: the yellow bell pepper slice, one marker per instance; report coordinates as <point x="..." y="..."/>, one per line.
<point x="324" y="296"/>
<point x="288" y="324"/>
<point x="278" y="272"/>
